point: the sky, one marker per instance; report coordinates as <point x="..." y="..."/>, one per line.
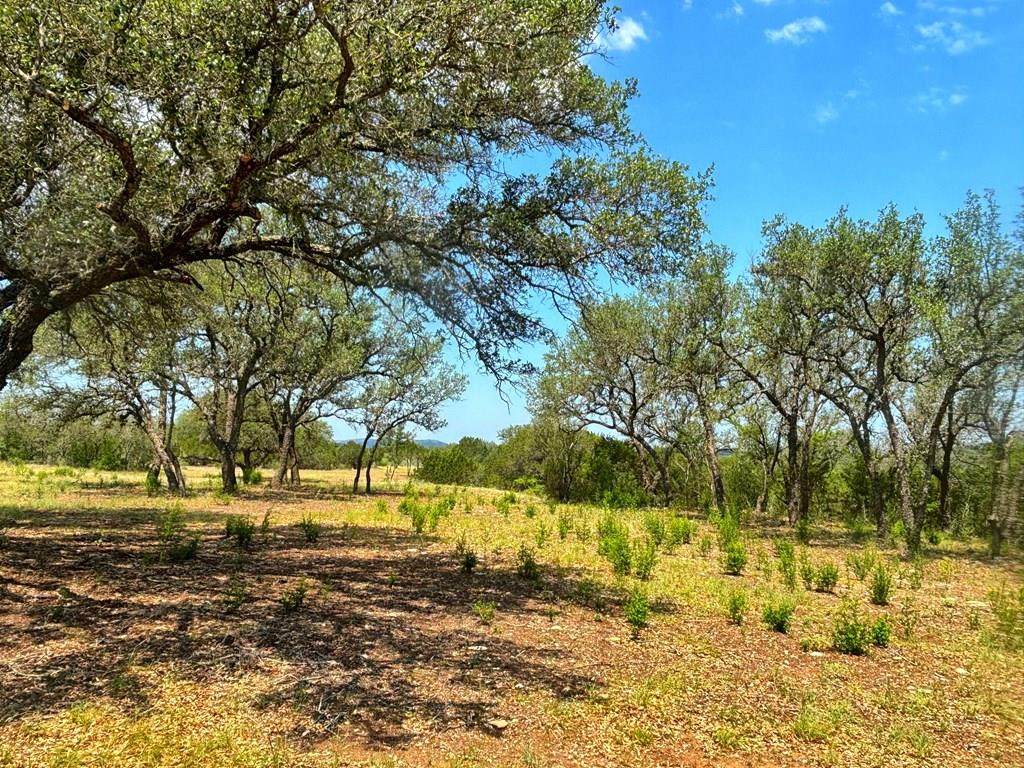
<point x="803" y="106"/>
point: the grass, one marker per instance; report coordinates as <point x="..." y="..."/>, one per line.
<point x="372" y="644"/>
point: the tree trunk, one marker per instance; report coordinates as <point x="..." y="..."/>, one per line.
<point x="359" y="464"/>
<point x="714" y="468"/>
<point x="285" y="449"/>
<point x="21" y="317"/>
<point x="227" y="469"/>
<point x="793" y="469"/>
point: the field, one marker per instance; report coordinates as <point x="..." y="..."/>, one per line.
<point x="365" y="643"/>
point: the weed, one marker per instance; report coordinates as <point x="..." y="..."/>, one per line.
<point x="1008" y="609"/>
<point x="654" y="523"/>
<point x="564" y="524"/>
<point x="862" y="563"/>
<point x="680" y="531"/>
<point x="806" y="570"/>
<point x="541" y="536"/>
<point x="236" y="595"/>
<point x="736" y="605"/>
<point x="787" y="562"/>
<point x="175" y="546"/>
<point x="467" y="557"/>
<point x="734" y="558"/>
<point x="484" y="610"/>
<point x="881" y="632"/>
<point x="704" y="545"/>
<point x="778" y="613"/>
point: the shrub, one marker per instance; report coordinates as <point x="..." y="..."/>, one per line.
<point x="531" y="510"/>
<point x="643" y="559"/>
<point x="916" y="578"/>
<point x="826" y="578"/>
<point x="787" y="562"/>
<point x="736" y="605"/>
<point x="293" y="600"/>
<point x="265" y="524"/>
<point x="381" y="507"/>
<point x="734" y="559"/>
<point x="564" y="524"/>
<point x="680" y="531"/>
<point x="484" y="610"/>
<point x="613" y="545"/>
<point x="527" y="565"/>
<point x="637" y="609"/>
<point x="251" y="476"/>
<point x="806" y="571"/>
<point x="418" y="517"/>
<point x="152" y="483"/>
<point x="803" y="530"/>
<point x="175" y="546"/>
<point x="241" y="529"/>
<point x="655" y="525"/>
<point x="1008" y="609"/>
<point x="861" y="564"/>
<point x="881" y="632"/>
<point x="851" y="633"/>
<point x="236" y="596"/>
<point x="778" y="613"/>
<point x="467" y="557"/>
<point x="310" y="528"/>
<point x="704" y="545"/>
<point x="881" y="585"/>
<point x="728" y="531"/>
<point x="542" y="534"/>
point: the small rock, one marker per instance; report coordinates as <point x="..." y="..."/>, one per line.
<point x="962" y="671"/>
<point x="816" y="654"/>
<point x="498" y="724"/>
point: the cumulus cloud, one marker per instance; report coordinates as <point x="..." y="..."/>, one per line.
<point x="826" y="113"/>
<point x="889" y="9"/>
<point x="625" y="35"/>
<point x="952" y="36"/>
<point x="797" y="32"/>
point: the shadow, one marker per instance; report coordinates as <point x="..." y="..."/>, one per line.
<point x="385" y="632"/>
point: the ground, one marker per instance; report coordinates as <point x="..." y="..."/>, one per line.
<point x="371" y="646"/>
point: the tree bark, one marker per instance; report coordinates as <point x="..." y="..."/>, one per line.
<point x="227" y="469"/>
<point x="714" y="468"/>
<point x="359" y="463"/>
<point x="285" y="452"/>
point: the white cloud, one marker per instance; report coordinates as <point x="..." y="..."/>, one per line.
<point x="939" y="100"/>
<point x="687" y="5"/>
<point x="952" y="36"/>
<point x="625" y="35"/>
<point x="957" y="10"/>
<point x="736" y="10"/>
<point x="889" y="9"/>
<point x="797" y="32"/>
<point x="943" y="155"/>
<point x="826" y="113"/>
<point x="764" y="2"/>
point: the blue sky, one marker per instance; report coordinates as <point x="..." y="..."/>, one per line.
<point x="804" y="106"/>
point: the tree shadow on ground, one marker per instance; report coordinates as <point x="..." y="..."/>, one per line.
<point x="385" y="634"/>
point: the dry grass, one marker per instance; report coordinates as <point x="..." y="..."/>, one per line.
<point x="110" y="656"/>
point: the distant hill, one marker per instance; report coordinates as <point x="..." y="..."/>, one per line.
<point x="427" y="442"/>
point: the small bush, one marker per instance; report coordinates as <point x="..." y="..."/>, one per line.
<point x="527" y="565"/>
<point x="862" y="564"/>
<point x="1008" y="609"/>
<point x="643" y="559"/>
<point x="467" y="557"/>
<point x="736" y="605"/>
<point x="655" y="525"/>
<point x="881" y="632"/>
<point x="152" y="483"/>
<point x="637" y="609"/>
<point x="734" y="559"/>
<point x="564" y="524"/>
<point x="241" y="529"/>
<point x="704" y="545"/>
<point x="728" y="531"/>
<point x="531" y="510"/>
<point x="417" y="516"/>
<point x="484" y="610"/>
<point x="310" y="528"/>
<point x="293" y="600"/>
<point x="613" y="545"/>
<point x="778" y="613"/>
<point x="881" y="585"/>
<point x="380" y="507"/>
<point x="680" y="531"/>
<point x="251" y="476"/>
<point x="541" y="536"/>
<point x="826" y="578"/>
<point x="787" y="562"/>
<point x="803" y="530"/>
<point x="851" y="633"/>
<point x="175" y="546"/>
<point x="807" y="572"/>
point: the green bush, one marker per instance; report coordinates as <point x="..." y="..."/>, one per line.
<point x="851" y="633"/>
<point x="643" y="559"/>
<point x="881" y="585"/>
<point x="655" y="525"/>
<point x="826" y="578"/>
<point x="467" y="557"/>
<point x="736" y="605"/>
<point x="418" y="514"/>
<point x="310" y="528"/>
<point x="613" y="544"/>
<point x="564" y="524"/>
<point x="704" y="545"/>
<point x="175" y="546"/>
<point x="527" y="565"/>
<point x="881" y="632"/>
<point x="728" y="531"/>
<point x="241" y="529"/>
<point x="293" y="600"/>
<point x="637" y="609"/>
<point x="251" y="476"/>
<point x="680" y="531"/>
<point x="734" y="559"/>
<point x="787" y="562"/>
<point x="484" y="610"/>
<point x="807" y="572"/>
<point x="778" y="613"/>
<point x="152" y="483"/>
<point x="1008" y="609"/>
<point x="862" y="564"/>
